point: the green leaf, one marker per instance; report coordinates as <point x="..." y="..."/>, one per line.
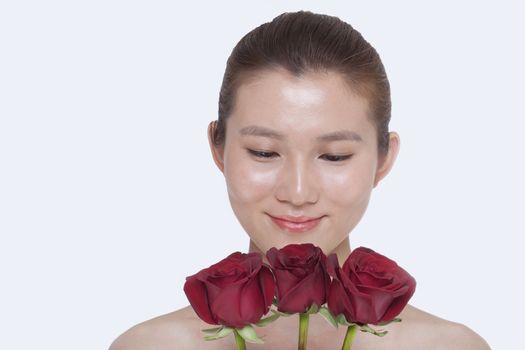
<point x="220" y="334"/>
<point x="266" y="321"/>
<point x="384" y="323"/>
<point x="328" y="316"/>
<point x="275" y="302"/>
<point x="368" y="329"/>
<point x="212" y="330"/>
<point x="248" y="333"/>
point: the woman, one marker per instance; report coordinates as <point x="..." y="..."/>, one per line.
<point x="302" y="139"/>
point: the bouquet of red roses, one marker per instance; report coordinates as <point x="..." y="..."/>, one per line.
<point x="238" y="291"/>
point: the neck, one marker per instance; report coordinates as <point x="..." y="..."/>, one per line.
<point x="343" y="250"/>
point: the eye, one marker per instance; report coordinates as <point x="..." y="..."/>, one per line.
<point x="261" y="154"/>
<point x="329" y="157"/>
<point x="334" y="158"/>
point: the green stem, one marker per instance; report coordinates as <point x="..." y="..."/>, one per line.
<point x="349" y="337"/>
<point x="304" y="318"/>
<point x="241" y="344"/>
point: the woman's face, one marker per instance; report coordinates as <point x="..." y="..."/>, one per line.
<point x="300" y="147"/>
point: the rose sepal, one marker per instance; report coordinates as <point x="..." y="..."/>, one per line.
<point x="248" y="334"/>
<point x="325" y="312"/>
<point x="341" y="319"/>
<point x="212" y="330"/>
<point x="313" y="309"/>
<point x="281" y="313"/>
<point x="263" y="322"/>
<point x="384" y="323"/>
<point x="368" y="329"/>
<point x="217" y="332"/>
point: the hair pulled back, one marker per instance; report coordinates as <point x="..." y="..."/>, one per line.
<point x="301" y="42"/>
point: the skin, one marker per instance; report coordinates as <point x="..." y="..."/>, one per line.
<point x="301" y="178"/>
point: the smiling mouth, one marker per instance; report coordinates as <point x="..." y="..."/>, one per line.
<point x="296" y="227"/>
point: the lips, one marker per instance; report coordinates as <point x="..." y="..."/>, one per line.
<point x="296" y="223"/>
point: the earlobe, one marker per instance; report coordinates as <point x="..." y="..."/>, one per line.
<point x="217" y="152"/>
<point x="386" y="164"/>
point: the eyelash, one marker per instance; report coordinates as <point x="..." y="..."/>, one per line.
<point x="262" y="154"/>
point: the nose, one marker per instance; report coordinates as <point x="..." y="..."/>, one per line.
<point x="298" y="183"/>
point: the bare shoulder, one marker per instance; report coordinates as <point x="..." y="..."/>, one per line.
<point x="426" y="331"/>
<point x="176" y="330"/>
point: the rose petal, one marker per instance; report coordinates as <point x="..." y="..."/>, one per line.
<point x="251" y="303"/>
<point x="399" y="303"/>
<point x="198" y="298"/>
<point x="332" y="265"/>
<point x="226" y="307"/>
<point x="271" y="255"/>
<point x="267" y="284"/>
<point x="311" y="290"/>
<point x="285" y="281"/>
<point x="338" y="302"/>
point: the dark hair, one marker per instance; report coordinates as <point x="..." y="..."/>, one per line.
<point x="304" y="41"/>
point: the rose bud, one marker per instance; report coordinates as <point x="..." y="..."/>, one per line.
<point x="369" y="288"/>
<point x="234" y="292"/>
<point x="301" y="277"/>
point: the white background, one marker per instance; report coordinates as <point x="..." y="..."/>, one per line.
<point x="108" y="188"/>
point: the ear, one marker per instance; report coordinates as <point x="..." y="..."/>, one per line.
<point x="387" y="162"/>
<point x="217" y="152"/>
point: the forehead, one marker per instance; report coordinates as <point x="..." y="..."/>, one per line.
<point x="313" y="101"/>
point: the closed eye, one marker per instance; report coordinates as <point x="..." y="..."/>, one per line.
<point x="334" y="158"/>
<point x="261" y="154"/>
<point x="329" y="157"/>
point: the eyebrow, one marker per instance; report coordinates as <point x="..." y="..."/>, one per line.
<point x="340" y="135"/>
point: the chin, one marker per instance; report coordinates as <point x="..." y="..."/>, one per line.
<point x="269" y="236"/>
<point x="298" y="239"/>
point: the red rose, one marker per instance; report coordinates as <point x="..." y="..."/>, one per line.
<point x="234" y="292"/>
<point x="370" y="288"/>
<point x="301" y="277"/>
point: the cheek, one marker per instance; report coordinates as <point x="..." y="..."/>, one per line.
<point x="249" y="181"/>
<point x="350" y="188"/>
